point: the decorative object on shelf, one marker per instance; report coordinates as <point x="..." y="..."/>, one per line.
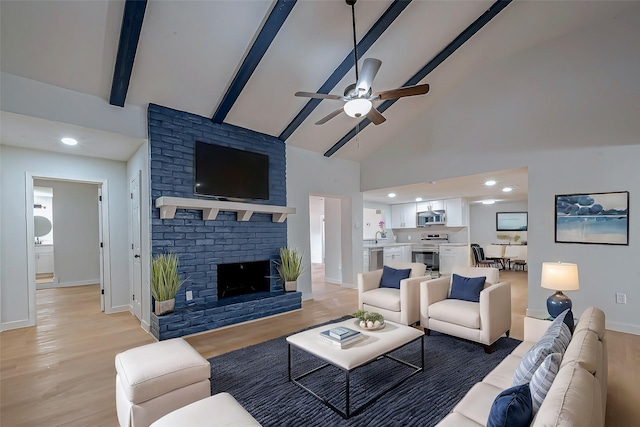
<point x="165" y="282"/>
<point x="593" y="218"/>
<point x="559" y="276"/>
<point x="369" y="320"/>
<point x="289" y="268"/>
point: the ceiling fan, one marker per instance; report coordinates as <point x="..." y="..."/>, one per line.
<point x="358" y="97"/>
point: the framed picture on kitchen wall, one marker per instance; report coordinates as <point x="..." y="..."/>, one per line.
<point x="592" y="218"/>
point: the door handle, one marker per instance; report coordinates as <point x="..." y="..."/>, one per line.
<point x="136" y="256"/>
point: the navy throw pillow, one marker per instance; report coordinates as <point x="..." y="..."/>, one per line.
<point x="467" y="288"/>
<point x="567" y="319"/>
<point x="512" y="407"/>
<point x="391" y="277"/>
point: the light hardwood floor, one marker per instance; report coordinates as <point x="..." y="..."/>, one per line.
<point x="61" y="372"/>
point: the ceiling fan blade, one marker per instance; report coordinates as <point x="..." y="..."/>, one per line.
<point x="367" y="74"/>
<point x="402" y="91"/>
<point x="330" y="116"/>
<point x="318" y="95"/>
<point x="375" y="116"/>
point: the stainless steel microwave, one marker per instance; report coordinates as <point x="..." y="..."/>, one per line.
<point x="430" y="218"/>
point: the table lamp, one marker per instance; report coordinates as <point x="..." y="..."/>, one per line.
<point x="559" y="276"/>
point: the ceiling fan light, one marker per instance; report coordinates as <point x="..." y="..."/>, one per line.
<point x="357" y="107"/>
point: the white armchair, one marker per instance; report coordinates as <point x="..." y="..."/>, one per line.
<point x="483" y="322"/>
<point x="397" y="305"/>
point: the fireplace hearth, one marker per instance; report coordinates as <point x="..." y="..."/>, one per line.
<point x="243" y="278"/>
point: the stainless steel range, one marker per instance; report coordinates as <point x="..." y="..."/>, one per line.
<point x="428" y="250"/>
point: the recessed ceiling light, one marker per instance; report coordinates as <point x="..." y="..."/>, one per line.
<point x="391" y="194"/>
<point x="490" y="183"/>
<point x="507" y="189"/>
<point x="69" y="141"/>
<point x="418" y="199"/>
<point x="488" y="202"/>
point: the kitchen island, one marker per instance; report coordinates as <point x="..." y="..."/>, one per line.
<point x="375" y="255"/>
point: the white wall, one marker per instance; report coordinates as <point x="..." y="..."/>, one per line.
<point x="482" y="222"/>
<point x="578" y="90"/>
<point x="333" y="240"/>
<point x="15" y="163"/>
<point x="312" y="173"/>
<point x="385" y="210"/>
<point x="139" y="162"/>
<point x="76" y="250"/>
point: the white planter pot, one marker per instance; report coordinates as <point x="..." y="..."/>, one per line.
<point x="164" y="307"/>
<point x="291" y="286"/>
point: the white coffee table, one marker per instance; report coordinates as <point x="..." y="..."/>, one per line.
<point x="375" y="345"/>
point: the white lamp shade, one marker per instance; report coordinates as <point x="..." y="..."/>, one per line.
<point x="560" y="276"/>
<point x="357" y="107"/>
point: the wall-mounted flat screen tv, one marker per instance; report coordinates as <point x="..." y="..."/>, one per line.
<point x="511" y="221"/>
<point x="229" y="173"/>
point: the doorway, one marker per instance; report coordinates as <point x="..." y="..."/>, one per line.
<point x="325" y="228"/>
<point x="80" y="236"/>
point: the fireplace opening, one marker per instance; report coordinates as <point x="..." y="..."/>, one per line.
<point x="243" y="278"/>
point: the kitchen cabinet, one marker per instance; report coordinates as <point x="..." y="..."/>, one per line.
<point x="403" y="215"/>
<point x="453" y="255"/>
<point x="395" y="254"/>
<point x="431" y="205"/>
<point x="456" y="212"/>
<point x="44" y="259"/>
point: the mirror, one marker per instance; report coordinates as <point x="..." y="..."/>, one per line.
<point x="42" y="226"/>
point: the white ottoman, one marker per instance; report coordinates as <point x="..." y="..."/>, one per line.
<point x="155" y="379"/>
<point x="218" y="410"/>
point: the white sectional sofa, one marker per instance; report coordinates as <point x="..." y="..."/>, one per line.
<point x="578" y="394"/>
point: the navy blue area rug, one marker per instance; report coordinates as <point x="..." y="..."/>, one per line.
<point x="257" y="377"/>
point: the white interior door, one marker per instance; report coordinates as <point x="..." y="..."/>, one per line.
<point x="136" y="231"/>
<point x="101" y="247"/>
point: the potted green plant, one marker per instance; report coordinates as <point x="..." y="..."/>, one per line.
<point x="165" y="282"/>
<point x="289" y="268"/>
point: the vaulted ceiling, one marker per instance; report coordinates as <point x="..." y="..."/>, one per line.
<point x="240" y="62"/>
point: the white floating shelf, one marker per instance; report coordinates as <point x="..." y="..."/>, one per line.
<point x="210" y="208"/>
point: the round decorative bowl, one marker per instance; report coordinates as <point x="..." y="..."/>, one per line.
<point x="373" y="328"/>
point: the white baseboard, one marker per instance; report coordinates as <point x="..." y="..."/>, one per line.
<point x="17" y="324"/>
<point x="333" y="281"/>
<point x="623" y="327"/>
<point x="145" y="326"/>
<point x="118" y="309"/>
<point x="68" y="284"/>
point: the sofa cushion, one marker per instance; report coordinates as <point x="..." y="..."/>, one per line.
<point x="457" y="312"/>
<point x="391" y="277"/>
<point x="387" y="298"/>
<point x="511" y="408"/>
<point x="522" y="348"/>
<point x="543" y="378"/>
<point x="476" y="404"/>
<point x="585" y="349"/>
<point x="466" y="288"/>
<point x="575" y="399"/>
<point x="502" y="375"/>
<point x="555" y="340"/>
<point x="592" y="319"/>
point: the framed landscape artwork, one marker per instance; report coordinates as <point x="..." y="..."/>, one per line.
<point x="593" y="218"/>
